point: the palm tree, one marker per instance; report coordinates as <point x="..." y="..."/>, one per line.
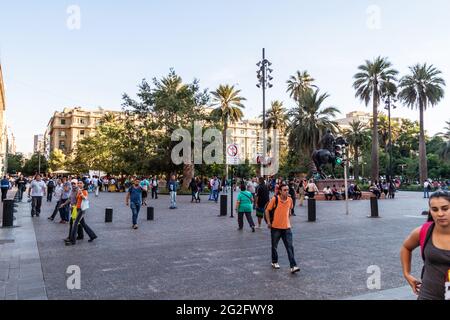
<point x="309" y="121"/>
<point x="299" y="83"/>
<point x="423" y="87"/>
<point x="371" y="82"/>
<point x="357" y="136"/>
<point x="277" y="120"/>
<point x="229" y="109"/>
<point x="445" y="150"/>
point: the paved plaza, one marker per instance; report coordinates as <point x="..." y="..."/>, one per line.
<point x="191" y="253"/>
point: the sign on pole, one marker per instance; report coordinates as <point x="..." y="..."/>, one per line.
<point x="233" y="154"/>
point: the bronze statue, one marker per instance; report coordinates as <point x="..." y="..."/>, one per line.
<point x="331" y="152"/>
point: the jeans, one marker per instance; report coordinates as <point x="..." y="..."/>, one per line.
<point x="155" y="193"/>
<point x="216" y="195"/>
<point x="49" y="195"/>
<point x="36" y="203"/>
<point x="4" y="193"/>
<point x="64" y="212"/>
<point x="173" y="199"/>
<point x="55" y="211"/>
<point x="426" y="193"/>
<point x="21" y="191"/>
<point x="248" y="215"/>
<point x="80" y="233"/>
<point x="286" y="236"/>
<point x="135" y="208"/>
<point x="81" y="221"/>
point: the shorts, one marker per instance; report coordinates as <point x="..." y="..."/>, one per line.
<point x="260" y="212"/>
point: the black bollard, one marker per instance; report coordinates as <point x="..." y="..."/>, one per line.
<point x="8" y="213"/>
<point x="223" y="205"/>
<point x="150" y="213"/>
<point x="311" y="210"/>
<point x="108" y="215"/>
<point x="374" y="207"/>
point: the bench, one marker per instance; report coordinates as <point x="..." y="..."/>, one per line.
<point x="366" y="195"/>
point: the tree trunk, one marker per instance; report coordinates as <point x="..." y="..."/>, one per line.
<point x="375" y="161"/>
<point x="188" y="174"/>
<point x="423" y="165"/>
<point x="356" y="167"/>
<point x="224" y="141"/>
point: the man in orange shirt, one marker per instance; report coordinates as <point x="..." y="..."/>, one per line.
<point x="280" y="226"/>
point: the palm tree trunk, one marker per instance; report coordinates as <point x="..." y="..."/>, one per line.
<point x="423" y="165"/>
<point x="375" y="143"/>
<point x="224" y="140"/>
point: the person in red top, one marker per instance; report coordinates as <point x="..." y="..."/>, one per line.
<point x="82" y="194"/>
<point x="281" y="226"/>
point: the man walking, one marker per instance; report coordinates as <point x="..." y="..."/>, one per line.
<point x="58" y="196"/>
<point x="262" y="199"/>
<point x="95" y="182"/>
<point x="5" y="186"/>
<point x="71" y="205"/>
<point x="173" y="187"/>
<point x="36" y="192"/>
<point x="21" y="184"/>
<point x="215" y="189"/>
<point x="426" y="189"/>
<point x="278" y="216"/>
<point x="134" y="200"/>
<point x="50" y="189"/>
<point x="154" y="184"/>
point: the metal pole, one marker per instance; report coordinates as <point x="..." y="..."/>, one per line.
<point x="390" y="141"/>
<point x="232" y="178"/>
<point x="264" y="65"/>
<point x="39" y="162"/>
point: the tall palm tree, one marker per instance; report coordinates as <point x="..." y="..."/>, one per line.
<point x="229" y="109"/>
<point x="445" y="150"/>
<point x="357" y="136"/>
<point x="299" y="83"/>
<point x="309" y="120"/>
<point x="277" y="120"/>
<point x="423" y="87"/>
<point x="370" y="84"/>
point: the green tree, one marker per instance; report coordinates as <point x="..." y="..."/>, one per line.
<point x="31" y="166"/>
<point x="299" y="83"/>
<point x="15" y="163"/>
<point x="57" y="160"/>
<point x="444" y="151"/>
<point x="422" y="88"/>
<point x="228" y="103"/>
<point x="371" y="83"/>
<point x="357" y="136"/>
<point x="309" y="120"/>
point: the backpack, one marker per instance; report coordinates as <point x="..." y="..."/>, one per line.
<point x="51" y="184"/>
<point x="425" y="235"/>
<point x="272" y="211"/>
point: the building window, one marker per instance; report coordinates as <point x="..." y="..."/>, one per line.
<point x="62" y="145"/>
<point x="62" y="134"/>
<point x="82" y="121"/>
<point x="81" y="132"/>
<point x="242" y="131"/>
<point x="63" y="121"/>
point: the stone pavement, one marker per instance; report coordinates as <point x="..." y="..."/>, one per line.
<point x="191" y="253"/>
<point x="21" y="274"/>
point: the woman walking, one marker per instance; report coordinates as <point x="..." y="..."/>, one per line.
<point x="244" y="206"/>
<point x="82" y="198"/>
<point x="311" y="189"/>
<point x="194" y="190"/>
<point x="434" y="240"/>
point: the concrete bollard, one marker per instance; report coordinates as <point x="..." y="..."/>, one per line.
<point x="108" y="215"/>
<point x="223" y="205"/>
<point x="311" y="210"/>
<point x="8" y="213"/>
<point x="150" y="213"/>
<point x="374" y="207"/>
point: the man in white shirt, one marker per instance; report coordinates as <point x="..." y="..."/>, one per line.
<point x="37" y="190"/>
<point x="95" y="183"/>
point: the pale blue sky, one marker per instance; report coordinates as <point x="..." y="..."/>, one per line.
<point x="47" y="66"/>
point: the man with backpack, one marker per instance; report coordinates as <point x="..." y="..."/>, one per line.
<point x="261" y="201"/>
<point x="50" y="188"/>
<point x="426" y="189"/>
<point x="278" y="214"/>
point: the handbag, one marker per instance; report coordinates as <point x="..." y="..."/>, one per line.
<point x="84" y="205"/>
<point x="74" y="213"/>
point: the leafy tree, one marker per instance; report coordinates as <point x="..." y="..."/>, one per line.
<point x="299" y="84"/>
<point x="15" y="163"/>
<point x="357" y="136"/>
<point x="31" y="166"/>
<point x="57" y="160"/>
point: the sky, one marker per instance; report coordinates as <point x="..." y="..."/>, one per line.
<point x="49" y="63"/>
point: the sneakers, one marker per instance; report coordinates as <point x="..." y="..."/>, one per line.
<point x="92" y="239"/>
<point x="135" y="227"/>
<point x="253" y="229"/>
<point x="295" y="269"/>
<point x="276" y="266"/>
<point x="50" y="218"/>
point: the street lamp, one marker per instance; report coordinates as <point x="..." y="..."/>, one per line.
<point x="264" y="78"/>
<point x="389" y="103"/>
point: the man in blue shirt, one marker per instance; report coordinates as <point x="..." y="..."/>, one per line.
<point x="134" y="200"/>
<point x="172" y="186"/>
<point x="5" y="187"/>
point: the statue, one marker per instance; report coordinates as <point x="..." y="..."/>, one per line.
<point x="331" y="152"/>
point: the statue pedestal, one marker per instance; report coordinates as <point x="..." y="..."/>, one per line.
<point x="322" y="184"/>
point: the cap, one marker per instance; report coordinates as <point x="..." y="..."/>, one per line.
<point x="74" y="181"/>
